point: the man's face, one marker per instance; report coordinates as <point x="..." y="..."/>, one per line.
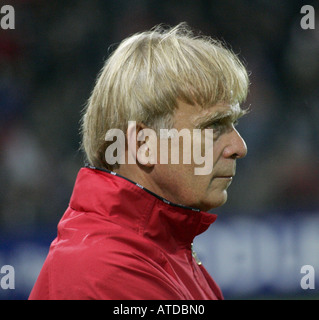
<point x="178" y="182"/>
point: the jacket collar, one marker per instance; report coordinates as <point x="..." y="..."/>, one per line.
<point x="128" y="204"/>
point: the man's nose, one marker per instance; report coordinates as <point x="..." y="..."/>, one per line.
<point x="236" y="146"/>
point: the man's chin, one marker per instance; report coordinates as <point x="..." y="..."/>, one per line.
<point x="216" y="201"/>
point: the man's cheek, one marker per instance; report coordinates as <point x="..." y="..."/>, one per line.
<point x="201" y="147"/>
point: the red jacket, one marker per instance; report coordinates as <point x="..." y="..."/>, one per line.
<point x="119" y="241"/>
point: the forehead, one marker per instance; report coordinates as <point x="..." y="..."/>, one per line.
<point x="194" y="116"/>
<point x="221" y="110"/>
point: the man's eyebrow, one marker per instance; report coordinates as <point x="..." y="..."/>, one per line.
<point x="231" y="115"/>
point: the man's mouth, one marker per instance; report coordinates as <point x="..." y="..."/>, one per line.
<point x="225" y="177"/>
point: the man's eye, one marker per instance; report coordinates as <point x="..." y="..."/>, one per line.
<point x="215" y="125"/>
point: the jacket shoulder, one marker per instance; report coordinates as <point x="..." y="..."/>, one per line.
<point x="104" y="263"/>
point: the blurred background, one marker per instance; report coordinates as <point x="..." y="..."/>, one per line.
<point x="269" y="227"/>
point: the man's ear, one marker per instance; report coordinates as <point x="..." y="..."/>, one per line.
<point x="142" y="144"/>
<point x="131" y="142"/>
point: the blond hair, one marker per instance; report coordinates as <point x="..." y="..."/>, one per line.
<point x="145" y="76"/>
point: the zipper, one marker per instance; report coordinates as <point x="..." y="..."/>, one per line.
<point x="195" y="255"/>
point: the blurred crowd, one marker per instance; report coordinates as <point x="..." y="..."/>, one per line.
<point x="49" y="63"/>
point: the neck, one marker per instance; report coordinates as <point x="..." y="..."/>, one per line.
<point x="140" y="175"/>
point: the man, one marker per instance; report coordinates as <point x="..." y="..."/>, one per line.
<point x="131" y="221"/>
